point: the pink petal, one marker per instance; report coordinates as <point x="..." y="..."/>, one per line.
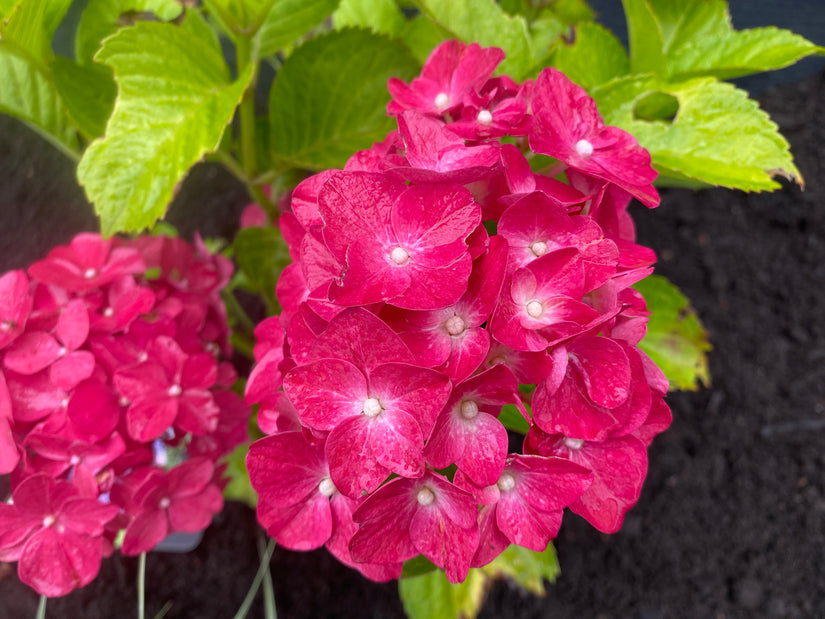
<point x="326" y="392"/>
<point x="54" y="564"/>
<point x="32" y="352"/>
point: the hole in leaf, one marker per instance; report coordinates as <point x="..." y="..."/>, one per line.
<point x="656" y="106"/>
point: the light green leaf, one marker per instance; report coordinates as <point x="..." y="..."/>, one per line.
<point x="675" y="340"/>
<point x="645" y="36"/>
<point x="29" y="94"/>
<point x="289" y="20"/>
<point x="381" y="16"/>
<point x="239" y="487"/>
<point x="31" y="25"/>
<point x="484" y="22"/>
<point x="262" y="254"/>
<point x="698" y="39"/>
<point x="567" y="12"/>
<point x="329" y="98"/>
<point x="718" y="136"/>
<point x="6" y="7"/>
<point x="422" y="36"/>
<point x="417" y="566"/>
<point x="88" y="92"/>
<point x="512" y="419"/>
<point x="526" y="568"/>
<point x="238" y="17"/>
<point x="175" y="98"/>
<point x="102" y="18"/>
<point x="432" y="596"/>
<point x="596" y="56"/>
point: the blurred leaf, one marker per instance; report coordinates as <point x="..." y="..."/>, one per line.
<point x="175" y="99"/>
<point x="417" y="566"/>
<point x="718" y="135"/>
<point x="329" y="98"/>
<point x="645" y="37"/>
<point x="239" y="487"/>
<point x="289" y="20"/>
<point x="594" y="57"/>
<point x="28" y="91"/>
<point x="238" y="17"/>
<point x="422" y="36"/>
<point x="88" y="92"/>
<point x="381" y="16"/>
<point x="432" y="596"/>
<point x="261" y="254"/>
<point x="526" y="568"/>
<point x="484" y="22"/>
<point x="675" y="340"/>
<point x="102" y="18"/>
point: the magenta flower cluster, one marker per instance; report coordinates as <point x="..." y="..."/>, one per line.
<point x="114" y="403"/>
<point x="481" y="256"/>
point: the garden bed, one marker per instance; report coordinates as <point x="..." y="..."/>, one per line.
<point x="732" y="517"/>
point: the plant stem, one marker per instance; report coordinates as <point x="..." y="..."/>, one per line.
<point x="270" y="611"/>
<point x="41" y="607"/>
<point x="256" y="582"/>
<point x="141" y="586"/>
<point x="246" y="115"/>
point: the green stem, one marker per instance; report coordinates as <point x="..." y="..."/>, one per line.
<point x="246" y="115"/>
<point x="234" y="306"/>
<point x="41" y="607"/>
<point x="141" y="586"/>
<point x="256" y="582"/>
<point x="270" y="611"/>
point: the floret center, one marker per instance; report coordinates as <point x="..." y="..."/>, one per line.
<point x="534" y="309"/>
<point x="506" y="482"/>
<point x="442" y="100"/>
<point x="469" y="409"/>
<point x="455" y="325"/>
<point x="584" y="148"/>
<point x="484" y="117"/>
<point x="539" y="248"/>
<point x="573" y="443"/>
<point x="425" y="496"/>
<point x="400" y="256"/>
<point x="372" y="407"/>
<point x="326" y="487"/>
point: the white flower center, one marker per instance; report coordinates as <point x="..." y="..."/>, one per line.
<point x="455" y="325"/>
<point x="573" y="443"/>
<point x="534" y="309"/>
<point x="326" y="487"/>
<point x="6" y="326"/>
<point x="61" y="352"/>
<point x="49" y="521"/>
<point x="109" y="312"/>
<point x="124" y="401"/>
<point x="506" y="482"/>
<point x="539" y="248"/>
<point x="425" y="496"/>
<point x="143" y="356"/>
<point x="64" y="402"/>
<point x="469" y="409"/>
<point x="74" y="460"/>
<point x="484" y="117"/>
<point x="372" y="407"/>
<point x="442" y="100"/>
<point x="164" y="503"/>
<point x="90" y="273"/>
<point x="584" y="149"/>
<point x="174" y="391"/>
<point x="399" y="256"/>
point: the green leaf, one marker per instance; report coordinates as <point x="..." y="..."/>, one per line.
<point x="567" y="12"/>
<point x="88" y="92"/>
<point x="239" y="17"/>
<point x="512" y="419"/>
<point x="422" y="36"/>
<point x="645" y="37"/>
<point x="685" y="38"/>
<point x="596" y="56"/>
<point x="417" y="566"/>
<point x="484" y="22"/>
<point x="175" y="99"/>
<point x="675" y="340"/>
<point x="262" y="254"/>
<point x="288" y="20"/>
<point x="526" y="568"/>
<point x="432" y="596"/>
<point x="718" y="136"/>
<point x="381" y="16"/>
<point x="329" y="98"/>
<point x="102" y="18"/>
<point x="239" y="487"/>
<point x="29" y="94"/>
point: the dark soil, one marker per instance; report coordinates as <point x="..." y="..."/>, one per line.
<point x="731" y="522"/>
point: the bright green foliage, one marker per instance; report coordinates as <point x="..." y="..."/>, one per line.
<point x="718" y="136"/>
<point x="175" y="99"/>
<point x="239" y="17"/>
<point x="288" y="20"/>
<point x="685" y="38"/>
<point x="675" y="340"/>
<point x="88" y="92"/>
<point x="484" y="22"/>
<point x="422" y="36"/>
<point x="431" y="596"/>
<point x="28" y="91"/>
<point x="526" y="568"/>
<point x="382" y="16"/>
<point x="329" y="98"/>
<point x="417" y="566"/>
<point x="512" y="419"/>
<point x="239" y="487"/>
<point x="261" y="254"/>
<point x="102" y="18"/>
<point x="595" y="57"/>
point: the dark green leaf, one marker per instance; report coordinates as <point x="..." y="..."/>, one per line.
<point x="88" y="92"/>
<point x="594" y="57"/>
<point x="262" y="254"/>
<point x="289" y="20"/>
